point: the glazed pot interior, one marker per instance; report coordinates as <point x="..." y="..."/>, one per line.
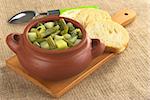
<point x="54" y="18"/>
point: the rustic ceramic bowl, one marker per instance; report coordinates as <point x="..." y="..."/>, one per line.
<point x="54" y="64"/>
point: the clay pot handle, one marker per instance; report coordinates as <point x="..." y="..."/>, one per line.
<point x="13" y="41"/>
<point x="97" y="47"/>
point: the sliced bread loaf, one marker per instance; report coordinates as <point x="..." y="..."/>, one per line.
<point x="88" y="15"/>
<point x="113" y="35"/>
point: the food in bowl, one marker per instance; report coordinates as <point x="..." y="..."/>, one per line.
<point x="52" y="64"/>
<point x="55" y="35"/>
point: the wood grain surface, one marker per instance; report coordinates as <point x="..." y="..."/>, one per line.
<point x="126" y="77"/>
<point x="58" y="88"/>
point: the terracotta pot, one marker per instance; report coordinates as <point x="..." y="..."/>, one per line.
<point x="54" y="64"/>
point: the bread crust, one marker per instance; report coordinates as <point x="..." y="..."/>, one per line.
<point x="113" y="35"/>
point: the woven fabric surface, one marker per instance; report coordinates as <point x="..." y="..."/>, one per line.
<point x="126" y="77"/>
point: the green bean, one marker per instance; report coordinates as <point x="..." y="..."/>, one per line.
<point x="40" y="35"/>
<point x="66" y="28"/>
<point x="40" y="31"/>
<point x="49" y="24"/>
<point x="44" y="44"/>
<point x="51" y="30"/>
<point x="79" y="33"/>
<point x="53" y="35"/>
<point x="56" y="22"/>
<point x="51" y="42"/>
<point x="62" y="23"/>
<point x="71" y="27"/>
<point x="32" y="36"/>
<point x="67" y="36"/>
<point x="70" y="44"/>
<point x="73" y="39"/>
<point x="57" y="32"/>
<point x="77" y="41"/>
<point x="36" y="43"/>
<point x="57" y="27"/>
<point x="61" y="44"/>
<point x="57" y="37"/>
<point x="39" y="24"/>
<point x="65" y="31"/>
<point x="62" y="32"/>
<point x="40" y="40"/>
<point x="76" y="32"/>
<point x="33" y="30"/>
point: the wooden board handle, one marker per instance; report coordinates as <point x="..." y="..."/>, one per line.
<point x="124" y="16"/>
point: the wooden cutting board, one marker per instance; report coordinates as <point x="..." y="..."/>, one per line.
<point x="58" y="88"/>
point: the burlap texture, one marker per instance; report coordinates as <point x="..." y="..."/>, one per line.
<point x="126" y="77"/>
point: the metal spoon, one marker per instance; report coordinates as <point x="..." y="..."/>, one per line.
<point x="26" y="16"/>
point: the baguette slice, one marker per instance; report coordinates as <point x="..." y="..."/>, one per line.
<point x="113" y="35"/>
<point x="88" y="15"/>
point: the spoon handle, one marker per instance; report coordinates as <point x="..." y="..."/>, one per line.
<point x="60" y="11"/>
<point x="52" y="12"/>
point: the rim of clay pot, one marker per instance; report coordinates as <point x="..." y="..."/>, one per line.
<point x="53" y="18"/>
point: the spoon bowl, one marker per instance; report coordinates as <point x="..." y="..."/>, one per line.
<point x="23" y="17"/>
